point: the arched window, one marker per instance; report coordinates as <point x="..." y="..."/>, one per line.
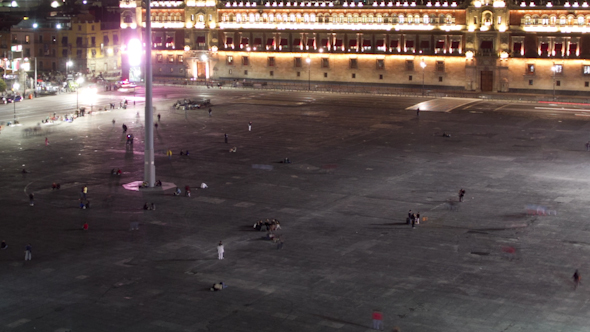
<point x="410" y="19"/>
<point x="257" y="17"/>
<point x="545" y="20"/>
<point x="450" y="19"/>
<point x="379" y="19"/>
<point x="552" y="20"/>
<point x="370" y="18"/>
<point x="441" y="19"/>
<point x="252" y="18"/>
<point x="292" y="18"/>
<point x="417" y="19"/>
<point x="312" y="18"/>
<point x="486" y="19"/>
<point x="426" y="19"/>
<point x="562" y="20"/>
<point x="570" y="20"/>
<point x="581" y="20"/>
<point x="127" y="18"/>
<point x="349" y="18"/>
<point x="401" y="19"/>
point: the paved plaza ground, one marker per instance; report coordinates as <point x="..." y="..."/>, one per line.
<point x="359" y="163"/>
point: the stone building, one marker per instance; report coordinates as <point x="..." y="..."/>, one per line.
<point x="478" y="45"/>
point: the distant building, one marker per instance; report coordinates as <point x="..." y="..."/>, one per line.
<point x="92" y="47"/>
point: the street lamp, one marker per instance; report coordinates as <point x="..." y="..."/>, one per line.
<point x="554" y="70"/>
<point x="68" y="65"/>
<point x="206" y="59"/>
<point x="423" y="65"/>
<point x="308" y="60"/>
<point x="79" y="81"/>
<point x="15" y="87"/>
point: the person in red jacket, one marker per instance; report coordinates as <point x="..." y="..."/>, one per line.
<point x="377" y="320"/>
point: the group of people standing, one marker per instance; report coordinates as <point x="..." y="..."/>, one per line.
<point x="413" y="219"/>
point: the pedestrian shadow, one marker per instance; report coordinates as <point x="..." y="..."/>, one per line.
<point x="403" y="223"/>
<point x="338" y="320"/>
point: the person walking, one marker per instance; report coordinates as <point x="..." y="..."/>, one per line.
<point x="250" y="126"/>
<point x="418" y="112"/>
<point x="220" y="250"/>
<point x="169" y="154"/>
<point x="46" y="141"/>
<point x="461" y="194"/>
<point x="588" y="146"/>
<point x="226" y="140"/>
<point x="377" y="320"/>
<point x="31" y="199"/>
<point x="28" y="252"/>
<point x="576" y="278"/>
<point x="158" y="117"/>
<point x="209" y="112"/>
<point x="114" y="122"/>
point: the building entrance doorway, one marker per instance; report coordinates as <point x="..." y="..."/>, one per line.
<point x="487" y="81"/>
<point x="202" y="69"/>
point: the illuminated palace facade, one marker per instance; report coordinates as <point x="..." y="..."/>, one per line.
<point x="479" y="45"/>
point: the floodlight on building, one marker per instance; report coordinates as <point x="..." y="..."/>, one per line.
<point x="212" y="25"/>
<point x="54" y="4"/>
<point x="123" y="25"/>
<point x="187" y="48"/>
<point x="58" y="26"/>
<point x="134" y="52"/>
<point x="133" y="25"/>
<point x="214" y="49"/>
<point x="469" y="55"/>
<point x="35" y="25"/>
<point x="504" y="55"/>
<point x="13" y="4"/>
<point x="204" y="57"/>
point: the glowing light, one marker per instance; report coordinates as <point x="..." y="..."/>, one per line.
<point x="54" y="4"/>
<point x="471" y="28"/>
<point x="58" y="26"/>
<point x="187" y="48"/>
<point x="134" y="52"/>
<point x="502" y="28"/>
<point x="35" y="25"/>
<point x="214" y="49"/>
<point x="504" y="55"/>
<point x="13" y="4"/>
<point x="423" y="64"/>
<point x="123" y="25"/>
<point x="204" y="57"/>
<point x="499" y="4"/>
<point x="133" y="25"/>
<point x="109" y="51"/>
<point x="212" y="25"/>
<point x="15" y="86"/>
<point x="69" y="63"/>
<point x="484" y="28"/>
<point x="469" y="55"/>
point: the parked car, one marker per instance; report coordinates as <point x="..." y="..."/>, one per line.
<point x="14" y="99"/>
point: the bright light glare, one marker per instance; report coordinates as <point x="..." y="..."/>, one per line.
<point x="35" y="25"/>
<point x="134" y="52"/>
<point x="80" y="80"/>
<point x="15" y="86"/>
<point x="423" y="64"/>
<point x="69" y="63"/>
<point x="204" y="57"/>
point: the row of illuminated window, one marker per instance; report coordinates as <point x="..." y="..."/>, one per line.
<point x="170" y="58"/>
<point x="354" y="44"/>
<point x="65" y="53"/>
<point x="177" y="17"/>
<point x="338" y="18"/>
<point x="554" y="20"/>
<point x="91" y="41"/>
<point x="548" y="49"/>
<point x="325" y="75"/>
<point x="556" y="69"/>
<point x="353" y="63"/>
